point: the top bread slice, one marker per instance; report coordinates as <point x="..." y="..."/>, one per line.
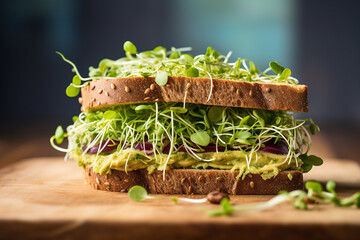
<point x="267" y="96"/>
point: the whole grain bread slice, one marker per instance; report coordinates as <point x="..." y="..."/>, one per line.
<point x="267" y="96"/>
<point x="192" y="181"/>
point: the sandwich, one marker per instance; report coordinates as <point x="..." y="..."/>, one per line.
<point x="175" y="123"/>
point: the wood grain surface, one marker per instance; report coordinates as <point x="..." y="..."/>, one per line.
<point x="46" y="198"/>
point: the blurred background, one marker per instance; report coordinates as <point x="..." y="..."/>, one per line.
<point x="317" y="40"/>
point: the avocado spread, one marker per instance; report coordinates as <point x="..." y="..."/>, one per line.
<point x="264" y="163"/>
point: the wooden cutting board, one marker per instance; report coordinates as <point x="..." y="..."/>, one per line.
<point x="47" y="198"/>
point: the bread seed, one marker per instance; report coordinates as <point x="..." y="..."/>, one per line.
<point x="147" y="99"/>
<point x="251" y="93"/>
<point x="168" y="85"/>
<point x="80" y="100"/>
<point x="106" y="93"/>
<point x="152" y="87"/>
<point x="252" y="184"/>
<point x="147" y="91"/>
<point x="268" y="90"/>
<point x="100" y="91"/>
<point x="216" y="197"/>
<point x="183" y="180"/>
<point x="188" y="85"/>
<point x="127" y="89"/>
<point x="92" y="87"/>
<point x="97" y="181"/>
<point x="106" y="183"/>
<point x="200" y="178"/>
<point x="219" y="179"/>
<point x="126" y="180"/>
<point x="156" y="100"/>
<point x="92" y="99"/>
<point x="232" y="88"/>
<point x="112" y="86"/>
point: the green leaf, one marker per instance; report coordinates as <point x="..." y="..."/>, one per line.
<point x="259" y="118"/>
<point x="72" y="91"/>
<point x="110" y="114"/>
<point x="217" y="212"/>
<point x="178" y="109"/>
<point x="104" y="64"/>
<point x="145" y="74"/>
<point x="253" y="68"/>
<point x="201" y="138"/>
<point x="75" y="118"/>
<point x="76" y="80"/>
<point x="159" y="48"/>
<point x="243" y="141"/>
<point x="244" y="121"/>
<point x="306" y="167"/>
<point x="285" y="74"/>
<point x="161" y="78"/>
<point x="208" y="51"/>
<point x="137" y="193"/>
<point x="243" y="135"/>
<point x="216" y="54"/>
<point x="277" y="120"/>
<point x="313" y="127"/>
<point x="357" y="202"/>
<point x="276" y="67"/>
<point x="192" y="72"/>
<point x="314" y="186"/>
<point x="129" y="47"/>
<point x="330" y="186"/>
<point x="238" y="64"/>
<point x="143" y="107"/>
<point x="59" y="135"/>
<point x="175" y="200"/>
<point x="226" y="206"/>
<point x="311" y="160"/>
<point x="188" y="59"/>
<point x="215" y="114"/>
<point x="174" y="55"/>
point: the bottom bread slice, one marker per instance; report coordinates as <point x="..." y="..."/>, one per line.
<point x="194" y="181"/>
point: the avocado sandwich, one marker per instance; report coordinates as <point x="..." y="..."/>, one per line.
<point x="175" y="123"/>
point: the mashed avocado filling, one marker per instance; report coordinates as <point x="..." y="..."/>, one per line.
<point x="264" y="163"/>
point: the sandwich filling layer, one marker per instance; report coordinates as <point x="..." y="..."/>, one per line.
<point x="170" y="135"/>
<point x="266" y="164"/>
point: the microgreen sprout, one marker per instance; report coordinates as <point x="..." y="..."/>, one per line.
<point x="300" y="198"/>
<point x="139" y="194"/>
<point x="129" y="47"/>
<point x="161" y="78"/>
<point x="59" y="135"/>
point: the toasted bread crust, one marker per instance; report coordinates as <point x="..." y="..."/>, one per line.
<point x="192" y="181"/>
<point x="267" y="96"/>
